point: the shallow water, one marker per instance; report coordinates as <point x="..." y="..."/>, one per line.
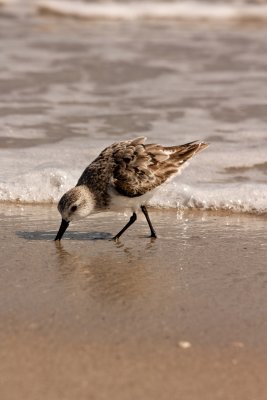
<point x="92" y="318"/>
<point x="138" y="286"/>
<point x="70" y="88"/>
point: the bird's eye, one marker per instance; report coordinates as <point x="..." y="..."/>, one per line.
<point x="73" y="208"/>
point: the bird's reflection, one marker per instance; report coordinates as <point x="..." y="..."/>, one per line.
<point x="112" y="271"/>
<point x="134" y="254"/>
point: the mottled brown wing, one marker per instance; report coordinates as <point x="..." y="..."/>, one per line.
<point x="132" y="175"/>
<point x="139" y="168"/>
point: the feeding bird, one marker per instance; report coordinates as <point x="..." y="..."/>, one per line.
<point x="124" y="175"/>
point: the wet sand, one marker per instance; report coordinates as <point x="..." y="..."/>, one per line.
<point x="180" y="317"/>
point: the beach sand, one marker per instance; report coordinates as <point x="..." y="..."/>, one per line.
<point x="180" y="317"/>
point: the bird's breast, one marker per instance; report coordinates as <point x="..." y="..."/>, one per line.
<point x="119" y="202"/>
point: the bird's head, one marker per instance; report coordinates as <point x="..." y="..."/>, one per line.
<point x="75" y="204"/>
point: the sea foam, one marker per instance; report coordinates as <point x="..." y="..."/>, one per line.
<point x="45" y="173"/>
<point x="150" y="9"/>
<point x="248" y="198"/>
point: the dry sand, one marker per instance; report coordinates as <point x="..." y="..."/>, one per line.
<point x="180" y="317"/>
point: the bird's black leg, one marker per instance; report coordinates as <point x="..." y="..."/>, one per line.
<point x="132" y="220"/>
<point x="152" y="230"/>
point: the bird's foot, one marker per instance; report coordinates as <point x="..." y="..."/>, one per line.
<point x="115" y="239"/>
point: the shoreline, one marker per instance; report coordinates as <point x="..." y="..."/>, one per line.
<point x="181" y="210"/>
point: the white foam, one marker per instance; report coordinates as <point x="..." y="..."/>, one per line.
<point x="251" y="198"/>
<point x="150" y="9"/>
<point x="42" y="174"/>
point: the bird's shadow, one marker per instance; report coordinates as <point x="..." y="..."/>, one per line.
<point x="73" y="235"/>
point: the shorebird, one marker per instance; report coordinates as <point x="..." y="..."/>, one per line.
<point x="124" y="175"/>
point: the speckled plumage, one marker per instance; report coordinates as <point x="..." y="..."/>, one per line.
<point x="125" y="172"/>
<point x="133" y="168"/>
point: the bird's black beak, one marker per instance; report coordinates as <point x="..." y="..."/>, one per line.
<point x="63" y="226"/>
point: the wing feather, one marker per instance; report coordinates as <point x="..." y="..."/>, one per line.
<point x="139" y="168"/>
